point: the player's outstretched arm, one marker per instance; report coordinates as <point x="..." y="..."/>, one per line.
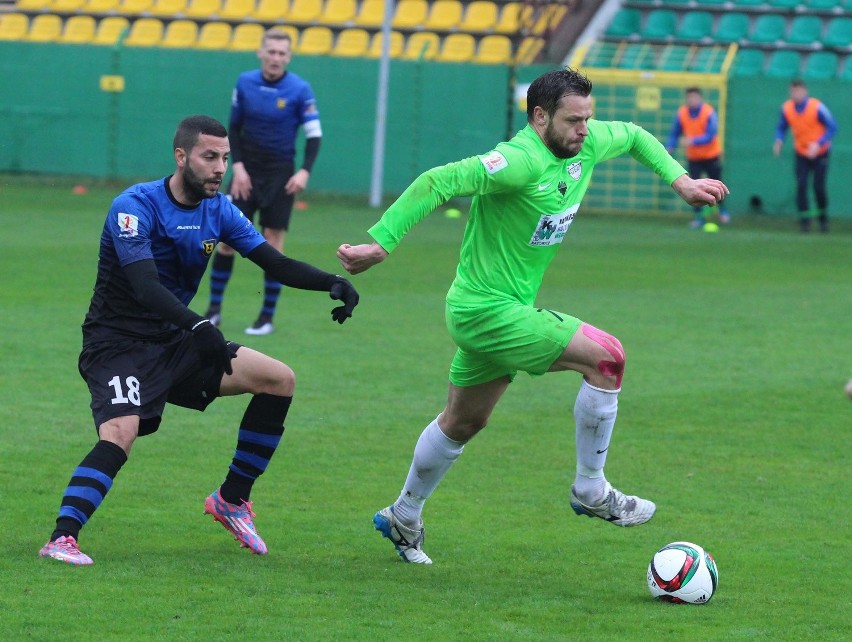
<point x="359" y="258"/>
<point x="704" y="191"/>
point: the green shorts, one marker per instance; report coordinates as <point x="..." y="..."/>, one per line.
<point x="500" y="338"/>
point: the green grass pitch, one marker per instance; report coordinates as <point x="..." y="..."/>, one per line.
<point x="732" y="418"/>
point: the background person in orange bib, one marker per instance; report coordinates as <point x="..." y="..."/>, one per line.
<point x="813" y="128"/>
<point x="696" y="126"/>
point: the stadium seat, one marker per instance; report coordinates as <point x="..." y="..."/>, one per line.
<point x="203" y="9"/>
<point x="109" y="30"/>
<point x="711" y="3"/>
<point x="14" y="26"/>
<point x="510" y="18"/>
<point x="423" y="45"/>
<point x="371" y="14"/>
<point x="96" y="7"/>
<point x="32" y="5"/>
<point x="846" y="74"/>
<point x="338" y="12"/>
<point x="625" y="23"/>
<point x="784" y="4"/>
<point x="305" y="11"/>
<point x="674" y="58"/>
<point x="805" y="30"/>
<point x="214" y="35"/>
<point x="784" y="63"/>
<point x="637" y="56"/>
<point x="839" y="33"/>
<point x="748" y="4"/>
<point x="444" y="15"/>
<point x="167" y="8"/>
<point x="271" y="10"/>
<point x="708" y="59"/>
<point x="549" y="18"/>
<point x="494" y="49"/>
<point x="695" y="26"/>
<point x="659" y="24"/>
<point x="768" y="28"/>
<point x="479" y="16"/>
<point x="601" y="54"/>
<point x="145" y="32"/>
<point x="410" y="14"/>
<point x="396" y="45"/>
<point x="822" y="5"/>
<point x="66" y="6"/>
<point x="457" y="47"/>
<point x="316" y="41"/>
<point x="134" y="7"/>
<point x="749" y="62"/>
<point x="529" y="49"/>
<point x="45" y="27"/>
<point x="236" y="10"/>
<point x="78" y="30"/>
<point x="732" y="27"/>
<point x="352" y="43"/>
<point x="180" y="34"/>
<point x="247" y="37"/>
<point x="822" y="65"/>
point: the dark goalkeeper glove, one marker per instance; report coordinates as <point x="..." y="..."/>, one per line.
<point x="211" y="345"/>
<point x="342" y="290"/>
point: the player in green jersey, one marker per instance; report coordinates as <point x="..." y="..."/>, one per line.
<point x="526" y="193"/>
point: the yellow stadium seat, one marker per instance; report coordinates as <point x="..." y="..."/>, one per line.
<point x="410" y="14"/>
<point x="32" y="5"/>
<point x="206" y="9"/>
<point x="214" y="35"/>
<point x="100" y="6"/>
<point x="494" y="50"/>
<point x="134" y="7"/>
<point x="247" y="37"/>
<point x="529" y="49"/>
<point x="145" y="32"/>
<point x="457" y="47"/>
<point x="481" y="15"/>
<point x="236" y="9"/>
<point x="512" y="16"/>
<point x="66" y="6"/>
<point x="422" y="45"/>
<point x="271" y="10"/>
<point x="14" y="26"/>
<point x="316" y="41"/>
<point x="352" y="43"/>
<point x="549" y="18"/>
<point x="371" y="14"/>
<point x="445" y="15"/>
<point x="339" y="12"/>
<point x="167" y="8"/>
<point x="110" y="29"/>
<point x="396" y="45"/>
<point x="78" y="30"/>
<point x="46" y="27"/>
<point x="180" y="34"/>
<point x="305" y="11"/>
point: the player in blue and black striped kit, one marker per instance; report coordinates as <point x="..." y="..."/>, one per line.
<point x="143" y="347"/>
<point x="268" y="107"/>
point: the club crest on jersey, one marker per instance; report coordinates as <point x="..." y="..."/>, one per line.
<point x="575" y="170"/>
<point x="281" y="103"/>
<point x="563" y="187"/>
<point x="128" y="224"/>
<point x="208" y="246"/>
<point x="494" y="162"/>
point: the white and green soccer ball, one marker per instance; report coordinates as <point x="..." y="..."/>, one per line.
<point x="684" y="573"/>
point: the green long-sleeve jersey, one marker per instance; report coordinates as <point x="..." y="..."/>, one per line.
<point x="524" y="201"/>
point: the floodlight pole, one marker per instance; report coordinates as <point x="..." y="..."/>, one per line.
<point x="381" y="109"/>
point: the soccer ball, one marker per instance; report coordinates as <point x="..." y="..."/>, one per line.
<point x="684" y="573"/>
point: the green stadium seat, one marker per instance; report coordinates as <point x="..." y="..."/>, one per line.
<point x="749" y="62"/>
<point x="659" y="24"/>
<point x="711" y="3"/>
<point x="805" y="30"/>
<point x="768" y="28"/>
<point x="601" y="55"/>
<point x="846" y="74"/>
<point x="624" y="23"/>
<point x="674" y="58"/>
<point x="494" y="49"/>
<point x="839" y="33"/>
<point x="480" y="15"/>
<point x="14" y="26"/>
<point x="741" y="4"/>
<point x="637" y="56"/>
<point x="823" y="5"/>
<point x="708" y="59"/>
<point x="784" y="4"/>
<point x="732" y="27"/>
<point x="822" y="65"/>
<point x="784" y="63"/>
<point x="695" y="26"/>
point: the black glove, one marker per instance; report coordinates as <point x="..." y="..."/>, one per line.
<point x="342" y="290"/>
<point x="211" y="345"/>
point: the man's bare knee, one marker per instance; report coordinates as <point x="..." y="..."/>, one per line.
<point x="121" y="431"/>
<point x="611" y="367"/>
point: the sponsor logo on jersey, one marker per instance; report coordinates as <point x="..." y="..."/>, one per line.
<point x="543" y="187"/>
<point x="188" y="227"/>
<point x="208" y="246"/>
<point x="551" y="228"/>
<point x="128" y="224"/>
<point x="575" y="170"/>
<point x="494" y="162"/>
<point x="281" y="103"/>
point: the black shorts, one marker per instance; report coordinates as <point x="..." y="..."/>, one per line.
<point x="269" y="195"/>
<point x="130" y="377"/>
<point x="711" y="167"/>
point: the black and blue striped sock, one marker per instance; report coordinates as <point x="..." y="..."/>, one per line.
<point x="271" y="292"/>
<point x="220" y="274"/>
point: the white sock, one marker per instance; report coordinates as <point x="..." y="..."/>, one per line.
<point x="433" y="456"/>
<point x="594" y="412"/>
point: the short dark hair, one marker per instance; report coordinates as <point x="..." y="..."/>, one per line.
<point x="191" y="127"/>
<point x="693" y="90"/>
<point x="546" y="91"/>
<point x="798" y="83"/>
